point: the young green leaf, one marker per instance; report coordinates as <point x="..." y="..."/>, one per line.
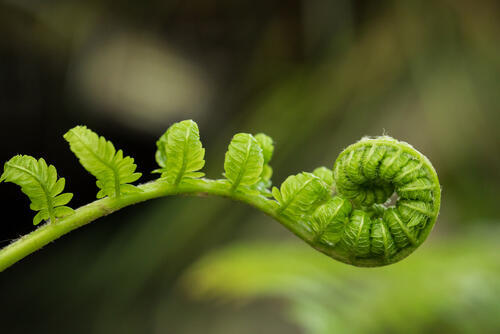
<point x="382" y="241"/>
<point x="356" y="236"/>
<point x="180" y="152"/>
<point x="244" y="161"/>
<point x="265" y="178"/>
<point x="39" y="182"/>
<point x="300" y="194"/>
<point x="161" y="152"/>
<point x="325" y="174"/>
<point x="100" y="158"/>
<point x="328" y="220"/>
<point x="267" y="145"/>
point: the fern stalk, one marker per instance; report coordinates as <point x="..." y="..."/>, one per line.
<point x="103" y="207"/>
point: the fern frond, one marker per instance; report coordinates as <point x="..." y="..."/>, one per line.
<point x="244" y="161"/>
<point x="356" y="235"/>
<point x="161" y="152"/>
<point x="40" y="183"/>
<point x="325" y="174"/>
<point x="328" y="220"/>
<point x="300" y="194"/>
<point x="353" y="226"/>
<point x="267" y="145"/>
<point x="180" y="152"/>
<point x="265" y="178"/>
<point x="99" y="157"/>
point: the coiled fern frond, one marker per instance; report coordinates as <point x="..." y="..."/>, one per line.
<point x="375" y="207"/>
<point x="368" y="174"/>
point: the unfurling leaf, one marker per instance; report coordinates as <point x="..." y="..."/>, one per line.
<point x="267" y="145"/>
<point x="180" y="152"/>
<point x="39" y="182"/>
<point x="100" y="158"/>
<point x="325" y="174"/>
<point x="356" y="236"/>
<point x="244" y="161"/>
<point x="329" y="219"/>
<point x="300" y="194"/>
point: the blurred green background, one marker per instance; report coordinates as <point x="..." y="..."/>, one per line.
<point x="316" y="75"/>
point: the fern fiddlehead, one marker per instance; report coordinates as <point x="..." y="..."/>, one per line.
<point x="345" y="213"/>
<point x="367" y="174"/>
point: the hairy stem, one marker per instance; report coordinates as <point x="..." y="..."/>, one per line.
<point x="51" y="231"/>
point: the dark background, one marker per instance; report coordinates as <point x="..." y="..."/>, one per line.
<point x="316" y="76"/>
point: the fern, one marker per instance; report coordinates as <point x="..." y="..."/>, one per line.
<point x="40" y="183"/>
<point x="266" y="143"/>
<point x="244" y="161"/>
<point x="325" y="174"/>
<point x="328" y="220"/>
<point x="356" y="237"/>
<point x="100" y="158"/>
<point x="300" y="194"/>
<point x="349" y="226"/>
<point x="180" y="152"/>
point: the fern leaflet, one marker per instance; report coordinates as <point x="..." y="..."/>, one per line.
<point x="244" y="161"/>
<point x="300" y="194"/>
<point x="180" y="152"/>
<point x="39" y="182"/>
<point x="99" y="157"/>
<point x="267" y="145"/>
<point x="325" y="174"/>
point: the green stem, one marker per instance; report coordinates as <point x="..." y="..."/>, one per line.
<point x="49" y="232"/>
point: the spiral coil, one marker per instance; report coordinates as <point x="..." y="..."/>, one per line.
<point x="359" y="223"/>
